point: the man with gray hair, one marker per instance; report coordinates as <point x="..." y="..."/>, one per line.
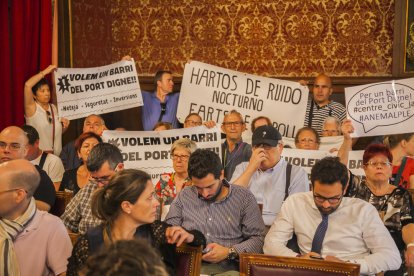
<point x="234" y="151"/>
<point x="103" y="162"/>
<point x="93" y="123"/>
<point x="32" y="242"/>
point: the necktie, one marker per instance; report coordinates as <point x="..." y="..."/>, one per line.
<point x="320" y="235"/>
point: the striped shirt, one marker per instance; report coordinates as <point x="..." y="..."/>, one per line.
<point x="319" y="114"/>
<point x="78" y="216"/>
<point x="235" y="221"/>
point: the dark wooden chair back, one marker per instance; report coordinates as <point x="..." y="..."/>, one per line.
<point x="411" y="191"/>
<point x="263" y="265"/>
<point x="62" y="199"/>
<point x="188" y="260"/>
<point x="73" y="237"/>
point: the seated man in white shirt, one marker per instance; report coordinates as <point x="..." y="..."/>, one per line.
<point x="333" y="227"/>
<point x="267" y="175"/>
<point x="48" y="162"/>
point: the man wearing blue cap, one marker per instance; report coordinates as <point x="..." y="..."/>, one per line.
<point x="268" y="176"/>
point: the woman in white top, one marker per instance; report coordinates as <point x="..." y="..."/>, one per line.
<point x="41" y="114"/>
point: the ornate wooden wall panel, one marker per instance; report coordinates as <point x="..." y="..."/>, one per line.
<point x="91" y="32"/>
<point x="294" y="38"/>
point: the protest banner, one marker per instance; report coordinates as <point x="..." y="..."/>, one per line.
<point x="150" y="150"/>
<point x="212" y="91"/>
<point x="307" y="158"/>
<point x="84" y="91"/>
<point x="381" y="108"/>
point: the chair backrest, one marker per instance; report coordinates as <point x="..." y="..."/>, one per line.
<point x="188" y="260"/>
<point x="263" y="265"/>
<point x="73" y="237"/>
<point x="62" y="199"/>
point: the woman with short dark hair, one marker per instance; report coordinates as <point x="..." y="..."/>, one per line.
<point x="43" y="115"/>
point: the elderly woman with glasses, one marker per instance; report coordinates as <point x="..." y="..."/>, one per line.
<point x="393" y="203"/>
<point x="41" y="114"/>
<point x="170" y="184"/>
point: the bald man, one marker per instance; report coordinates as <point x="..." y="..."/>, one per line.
<point x="32" y="242"/>
<point x="13" y="146"/>
<point x="70" y="159"/>
<point x="320" y="106"/>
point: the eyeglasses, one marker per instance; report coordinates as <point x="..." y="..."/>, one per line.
<point x="49" y="116"/>
<point x="379" y="164"/>
<point x="12" y="146"/>
<point x="181" y="157"/>
<point x="331" y="200"/>
<point x="307" y="140"/>
<point x="12" y="190"/>
<point x="234" y="124"/>
<point x="193" y="123"/>
<point x="264" y="146"/>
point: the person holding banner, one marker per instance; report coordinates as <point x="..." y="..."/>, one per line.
<point x="170" y="184"/>
<point x="160" y="126"/>
<point x="320" y="106"/>
<point x="394" y="204"/>
<point x="43" y="115"/>
<point x="307" y="139"/>
<point x="161" y="105"/>
<point x="402" y="150"/>
<point x="331" y="127"/>
<point x="194" y="120"/>
<point x="127" y="207"/>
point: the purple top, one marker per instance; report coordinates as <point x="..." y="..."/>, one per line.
<point x="152" y="109"/>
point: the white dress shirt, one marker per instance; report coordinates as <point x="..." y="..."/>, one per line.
<point x="355" y="233"/>
<point x="268" y="187"/>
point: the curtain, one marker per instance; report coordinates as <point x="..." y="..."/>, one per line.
<point x="26" y="48"/>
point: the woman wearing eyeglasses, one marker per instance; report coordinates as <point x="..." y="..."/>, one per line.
<point x="75" y="179"/>
<point x="170" y="184"/>
<point x="43" y="115"/>
<point x="393" y="203"/>
<point x="127" y="206"/>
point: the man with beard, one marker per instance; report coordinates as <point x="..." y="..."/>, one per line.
<point x="227" y="215"/>
<point x="333" y="227"/>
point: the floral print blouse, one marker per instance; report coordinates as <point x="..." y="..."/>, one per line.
<point x="165" y="188"/>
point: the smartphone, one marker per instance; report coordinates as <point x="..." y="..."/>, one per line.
<point x="316" y="257"/>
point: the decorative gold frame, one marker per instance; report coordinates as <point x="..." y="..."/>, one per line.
<point x="401" y="36"/>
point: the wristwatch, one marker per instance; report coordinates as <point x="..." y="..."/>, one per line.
<point x="232" y="254"/>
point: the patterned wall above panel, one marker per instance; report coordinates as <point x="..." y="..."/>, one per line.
<point x="91" y="32"/>
<point x="271" y="38"/>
